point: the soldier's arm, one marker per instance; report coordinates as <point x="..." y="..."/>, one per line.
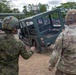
<point x="56" y="52"/>
<point x="26" y="54"/>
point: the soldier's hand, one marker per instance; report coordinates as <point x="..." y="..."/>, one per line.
<point x="50" y="68"/>
<point x="32" y="48"/>
<point x="52" y="46"/>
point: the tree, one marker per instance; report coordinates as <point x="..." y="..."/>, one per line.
<point x="15" y="10"/>
<point x="25" y="9"/>
<point x="4" y="6"/>
<point x="33" y="9"/>
<point x="65" y="7"/>
<point x="43" y="7"/>
<point x="3" y="1"/>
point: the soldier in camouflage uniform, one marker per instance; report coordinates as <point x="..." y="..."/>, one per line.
<point x="11" y="48"/>
<point x="65" y="48"/>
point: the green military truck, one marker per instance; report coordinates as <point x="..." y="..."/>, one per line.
<point x="41" y="30"/>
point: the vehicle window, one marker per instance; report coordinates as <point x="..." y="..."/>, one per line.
<point x="46" y="20"/>
<point x="55" y="20"/>
<point x="31" y="28"/>
<point x="40" y="21"/>
<point x="44" y="23"/>
<point x="29" y="23"/>
<point x="23" y="23"/>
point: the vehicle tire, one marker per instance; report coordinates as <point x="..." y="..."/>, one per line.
<point x="38" y="48"/>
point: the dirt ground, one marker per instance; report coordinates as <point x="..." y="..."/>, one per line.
<point x="36" y="65"/>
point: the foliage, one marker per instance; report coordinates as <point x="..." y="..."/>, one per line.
<point x="65" y="7"/>
<point x="4" y="6"/>
<point x="15" y="10"/>
<point x="32" y="9"/>
<point x="43" y="7"/>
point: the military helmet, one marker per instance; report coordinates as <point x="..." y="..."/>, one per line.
<point x="71" y="16"/>
<point x="9" y="23"/>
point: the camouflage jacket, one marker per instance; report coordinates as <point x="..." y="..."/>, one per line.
<point x="10" y="49"/>
<point x="65" y="48"/>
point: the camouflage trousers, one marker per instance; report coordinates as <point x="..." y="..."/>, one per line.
<point x="58" y="72"/>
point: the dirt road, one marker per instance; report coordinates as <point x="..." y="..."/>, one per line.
<point x="36" y="65"/>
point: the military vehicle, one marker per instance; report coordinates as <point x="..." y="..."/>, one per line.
<point x="40" y="30"/>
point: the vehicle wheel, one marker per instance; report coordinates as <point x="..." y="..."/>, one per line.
<point x="38" y="48"/>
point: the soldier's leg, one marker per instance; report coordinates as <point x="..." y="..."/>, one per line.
<point x="1" y="74"/>
<point x="58" y="72"/>
<point x="70" y="74"/>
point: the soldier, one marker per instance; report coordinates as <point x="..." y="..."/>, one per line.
<point x="65" y="48"/>
<point x="11" y="48"/>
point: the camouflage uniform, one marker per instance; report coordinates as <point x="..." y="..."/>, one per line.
<point x="10" y="49"/>
<point x="65" y="48"/>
